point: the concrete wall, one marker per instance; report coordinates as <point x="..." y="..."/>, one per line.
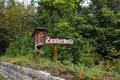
<point x="15" y="72"/>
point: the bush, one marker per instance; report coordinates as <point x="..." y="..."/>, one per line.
<point x="5" y="38"/>
<point x="21" y="46"/>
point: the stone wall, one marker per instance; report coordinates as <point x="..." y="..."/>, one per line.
<point x="15" y="72"/>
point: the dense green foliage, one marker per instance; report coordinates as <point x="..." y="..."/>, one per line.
<point x="94" y="29"/>
<point x="16" y="25"/>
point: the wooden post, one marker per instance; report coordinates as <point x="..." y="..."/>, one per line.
<point x="37" y="37"/>
<point x="55" y="52"/>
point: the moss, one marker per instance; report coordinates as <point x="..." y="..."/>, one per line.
<point x="1" y="77"/>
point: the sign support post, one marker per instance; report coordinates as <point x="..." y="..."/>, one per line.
<point x="55" y="52"/>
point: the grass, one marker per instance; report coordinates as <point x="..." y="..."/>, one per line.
<point x="1" y="77"/>
<point x="56" y="68"/>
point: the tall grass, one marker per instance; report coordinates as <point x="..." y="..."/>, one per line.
<point x="81" y="71"/>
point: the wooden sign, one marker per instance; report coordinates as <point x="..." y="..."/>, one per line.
<point x="49" y="40"/>
<point x="40" y="40"/>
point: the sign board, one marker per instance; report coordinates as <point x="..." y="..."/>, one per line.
<point x="40" y="40"/>
<point x="49" y="40"/>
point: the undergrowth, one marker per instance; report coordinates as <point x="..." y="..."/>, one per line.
<point x="83" y="72"/>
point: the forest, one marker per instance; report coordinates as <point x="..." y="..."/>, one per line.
<point x="95" y="30"/>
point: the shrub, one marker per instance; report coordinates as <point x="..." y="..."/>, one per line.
<point x="21" y="46"/>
